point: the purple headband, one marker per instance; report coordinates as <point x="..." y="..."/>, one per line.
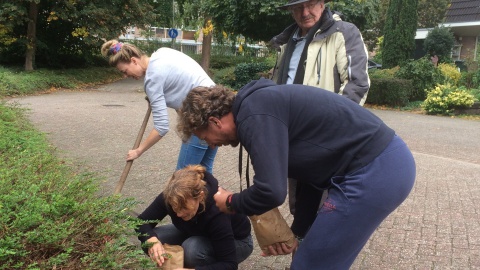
<point x="115" y="48"/>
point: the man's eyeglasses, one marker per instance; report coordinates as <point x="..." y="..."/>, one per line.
<point x="308" y="6"/>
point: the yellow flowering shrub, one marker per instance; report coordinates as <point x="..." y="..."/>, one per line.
<point x="208" y="29"/>
<point x="52" y="17"/>
<point x="450" y="72"/>
<point x="444" y="98"/>
<point x="80" y="32"/>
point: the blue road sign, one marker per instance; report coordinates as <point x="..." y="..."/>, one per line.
<point x="173" y="33"/>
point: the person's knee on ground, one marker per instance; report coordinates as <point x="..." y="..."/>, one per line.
<point x="244" y="248"/>
<point x="197" y="251"/>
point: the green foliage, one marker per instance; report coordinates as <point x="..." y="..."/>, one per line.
<point x="440" y="42"/>
<point x="225" y="69"/>
<point x="255" y="19"/>
<point x="475" y="92"/>
<point x="246" y="72"/>
<point x="412" y="106"/>
<point x="431" y="12"/>
<point x="18" y="82"/>
<point x="149" y="46"/>
<point x="51" y="217"/>
<point x="443" y="99"/>
<point x="384" y="73"/>
<point x="387" y="90"/>
<point x="363" y="14"/>
<point x="399" y="32"/>
<point x="423" y="75"/>
<point x="470" y="79"/>
<point x="68" y="33"/>
<point x="378" y="50"/>
<point x="225" y="76"/>
<point x="164" y="11"/>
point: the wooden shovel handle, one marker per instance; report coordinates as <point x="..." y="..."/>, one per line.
<point x="123" y="177"/>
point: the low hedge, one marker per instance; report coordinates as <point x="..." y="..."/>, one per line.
<point x="389" y="91"/>
<point x="51" y="217"/>
<point x="246" y="72"/>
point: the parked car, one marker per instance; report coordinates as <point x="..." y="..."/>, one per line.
<point x="373" y="65"/>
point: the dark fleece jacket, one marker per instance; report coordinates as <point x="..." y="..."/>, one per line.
<point x="305" y="133"/>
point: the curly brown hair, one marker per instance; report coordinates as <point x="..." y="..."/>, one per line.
<point x="119" y="52"/>
<point x="186" y="183"/>
<point x="201" y="103"/>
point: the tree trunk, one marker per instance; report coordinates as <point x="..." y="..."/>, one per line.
<point x="206" y="46"/>
<point x="31" y="36"/>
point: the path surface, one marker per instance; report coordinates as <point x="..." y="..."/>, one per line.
<point x="437" y="227"/>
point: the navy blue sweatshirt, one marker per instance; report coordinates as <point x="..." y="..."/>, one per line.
<point x="305" y="133"/>
<point x="219" y="227"/>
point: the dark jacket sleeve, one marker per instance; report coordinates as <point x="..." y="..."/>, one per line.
<point x="154" y="213"/>
<point x="266" y="140"/>
<point x="358" y="83"/>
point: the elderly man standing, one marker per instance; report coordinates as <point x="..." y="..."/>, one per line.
<point x="319" y="138"/>
<point x="323" y="51"/>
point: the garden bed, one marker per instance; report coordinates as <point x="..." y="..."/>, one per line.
<point x="475" y="109"/>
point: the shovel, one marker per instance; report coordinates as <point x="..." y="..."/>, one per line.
<point x="121" y="182"/>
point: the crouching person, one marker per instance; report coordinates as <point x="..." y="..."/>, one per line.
<point x="210" y="239"/>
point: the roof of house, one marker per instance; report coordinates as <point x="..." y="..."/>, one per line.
<point x="463" y="11"/>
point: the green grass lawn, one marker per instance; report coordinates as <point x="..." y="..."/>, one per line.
<point x="19" y="82"/>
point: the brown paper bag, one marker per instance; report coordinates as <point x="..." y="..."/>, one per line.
<point x="270" y="228"/>
<point x="174" y="257"/>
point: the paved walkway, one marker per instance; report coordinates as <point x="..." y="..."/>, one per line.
<point x="437" y="227"/>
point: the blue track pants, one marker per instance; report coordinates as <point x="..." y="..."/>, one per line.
<point x="356" y="205"/>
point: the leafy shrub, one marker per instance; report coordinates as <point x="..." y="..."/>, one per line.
<point x="225" y="76"/>
<point x="246" y="72"/>
<point x="149" y="46"/>
<point x="389" y="91"/>
<point x="383" y="73"/>
<point x="470" y="79"/>
<point x="221" y="61"/>
<point x="51" y="217"/>
<point x="423" y="74"/>
<point x="450" y="73"/>
<point x="475" y="92"/>
<point x="440" y="41"/>
<point x="443" y="99"/>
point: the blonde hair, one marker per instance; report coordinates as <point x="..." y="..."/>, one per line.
<point x="186" y="183"/>
<point x="119" y="52"/>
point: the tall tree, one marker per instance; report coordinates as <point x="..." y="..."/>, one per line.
<point x="261" y="20"/>
<point x="72" y="29"/>
<point x="431" y="12"/>
<point x="195" y="15"/>
<point x="207" y="44"/>
<point x="400" y="29"/>
<point x="31" y="35"/>
<point x="164" y="13"/>
<point x="365" y="14"/>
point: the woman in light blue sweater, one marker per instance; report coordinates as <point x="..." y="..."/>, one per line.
<point x="168" y="77"/>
